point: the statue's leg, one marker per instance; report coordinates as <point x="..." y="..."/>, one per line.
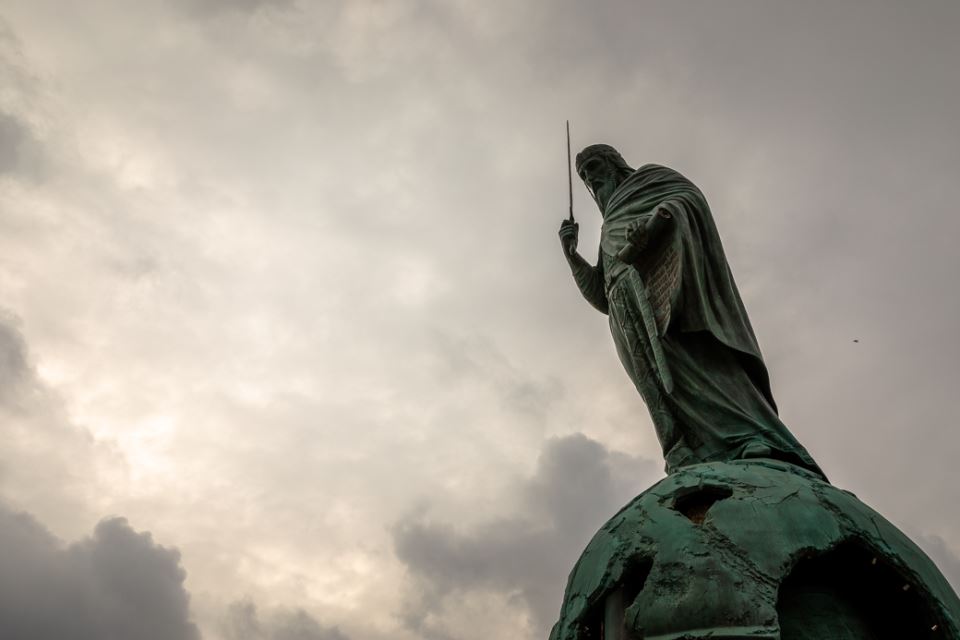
<point x="719" y="410"/>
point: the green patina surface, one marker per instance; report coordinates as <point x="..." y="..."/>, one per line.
<point x="716" y="571"/>
<point x="676" y="317"/>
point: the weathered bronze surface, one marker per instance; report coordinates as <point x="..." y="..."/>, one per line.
<point x="679" y="325"/>
<point x="753" y="549"/>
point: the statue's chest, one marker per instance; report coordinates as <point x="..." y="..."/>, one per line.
<point x="655" y="286"/>
<point x="613" y="238"/>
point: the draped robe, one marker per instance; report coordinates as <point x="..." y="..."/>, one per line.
<point x="681" y="330"/>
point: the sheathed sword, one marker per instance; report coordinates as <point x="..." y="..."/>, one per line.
<point x="653" y="334"/>
<point x="629" y="255"/>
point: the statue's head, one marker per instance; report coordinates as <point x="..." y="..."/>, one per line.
<point x="602" y="169"/>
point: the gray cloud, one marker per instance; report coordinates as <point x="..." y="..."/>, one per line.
<point x="209" y="8"/>
<point x="21" y="153"/>
<point x="117" y="583"/>
<point x="577" y="485"/>
<point x="48" y="462"/>
<point x="14" y="136"/>
<point x="15" y="372"/>
<point x="943" y="555"/>
<point x="242" y="621"/>
<point x="476" y="359"/>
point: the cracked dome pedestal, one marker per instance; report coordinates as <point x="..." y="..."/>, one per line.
<point x="753" y="549"/>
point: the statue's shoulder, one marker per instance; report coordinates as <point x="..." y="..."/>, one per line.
<point x="658" y="169"/>
<point x="652" y="166"/>
<point x="660" y="176"/>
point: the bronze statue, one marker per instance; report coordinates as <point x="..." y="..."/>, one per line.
<point x="677" y="320"/>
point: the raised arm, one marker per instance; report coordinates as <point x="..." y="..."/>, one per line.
<point x="589" y="279"/>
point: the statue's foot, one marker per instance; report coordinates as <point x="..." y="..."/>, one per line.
<point x="757" y="450"/>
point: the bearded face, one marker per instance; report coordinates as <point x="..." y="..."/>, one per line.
<point x="600" y="177"/>
<point x="602" y="169"/>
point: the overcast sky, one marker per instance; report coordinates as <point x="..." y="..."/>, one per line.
<point x="288" y="348"/>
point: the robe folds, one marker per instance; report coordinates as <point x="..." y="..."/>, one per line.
<point x="682" y="332"/>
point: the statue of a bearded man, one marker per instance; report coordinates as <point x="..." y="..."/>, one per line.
<point x="680" y="328"/>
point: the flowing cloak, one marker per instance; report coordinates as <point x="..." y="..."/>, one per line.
<point x="682" y="332"/>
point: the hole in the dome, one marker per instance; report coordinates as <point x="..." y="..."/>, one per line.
<point x="855" y="593"/>
<point x="606" y="619"/>
<point x="695" y="504"/>
<point x="635" y="578"/>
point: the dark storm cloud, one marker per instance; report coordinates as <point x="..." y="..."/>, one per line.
<point x="577" y="485"/>
<point x="243" y="622"/>
<point x="117" y="583"/>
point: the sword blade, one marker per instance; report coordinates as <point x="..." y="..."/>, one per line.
<point x="569" y="172"/>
